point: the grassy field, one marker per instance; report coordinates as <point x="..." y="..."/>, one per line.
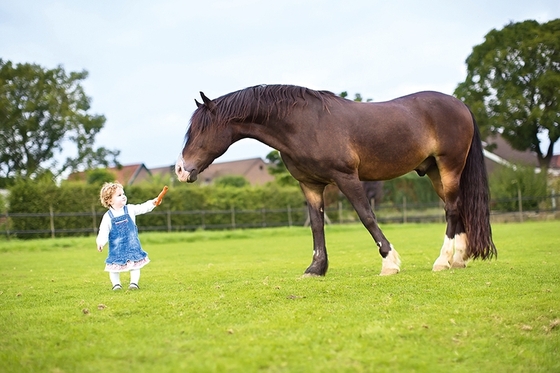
<point x="235" y="301"/>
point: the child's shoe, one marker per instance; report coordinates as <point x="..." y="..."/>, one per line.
<point x="117" y="287"/>
<point x="133" y="286"/>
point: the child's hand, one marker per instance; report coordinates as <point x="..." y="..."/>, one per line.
<point x="155" y="201"/>
<point x="160" y="196"/>
<point x="99" y="248"/>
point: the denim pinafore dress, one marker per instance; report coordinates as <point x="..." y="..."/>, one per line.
<point x="125" y="251"/>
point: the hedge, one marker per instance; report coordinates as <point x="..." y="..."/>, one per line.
<point x="77" y="205"/>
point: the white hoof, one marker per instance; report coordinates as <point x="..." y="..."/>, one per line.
<point x="391" y="264"/>
<point x="459" y="264"/>
<point x="388" y="272"/>
<point x="460" y="257"/>
<point x="438" y="268"/>
<point x="441" y="264"/>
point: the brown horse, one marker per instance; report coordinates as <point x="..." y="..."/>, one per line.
<point x="325" y="139"/>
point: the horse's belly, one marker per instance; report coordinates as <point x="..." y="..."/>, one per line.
<point x="385" y="168"/>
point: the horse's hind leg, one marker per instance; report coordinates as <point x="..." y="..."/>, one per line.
<point x="451" y="243"/>
<point x="453" y="250"/>
<point x="446" y="255"/>
<point x="460" y="254"/>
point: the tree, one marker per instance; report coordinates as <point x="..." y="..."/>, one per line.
<point x="357" y="97"/>
<point x="41" y="112"/>
<point x="513" y="85"/>
<point x="98" y="176"/>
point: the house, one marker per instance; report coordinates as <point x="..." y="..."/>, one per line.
<point x="164" y="174"/>
<point x="502" y="154"/>
<point x="555" y="162"/>
<point x="554" y="167"/>
<point x="127" y="175"/>
<point x="254" y="170"/>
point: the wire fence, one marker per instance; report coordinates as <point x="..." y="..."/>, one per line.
<point x="58" y="224"/>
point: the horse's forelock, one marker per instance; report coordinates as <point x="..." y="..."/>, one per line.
<point x="200" y="122"/>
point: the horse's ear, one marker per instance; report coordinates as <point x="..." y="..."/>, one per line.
<point x="198" y="104"/>
<point x="209" y="103"/>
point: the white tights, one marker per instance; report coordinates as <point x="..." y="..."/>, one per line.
<point x="116" y="277"/>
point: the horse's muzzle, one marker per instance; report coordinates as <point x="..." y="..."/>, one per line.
<point x="184" y="174"/>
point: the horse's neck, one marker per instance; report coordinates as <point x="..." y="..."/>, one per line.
<point x="274" y="133"/>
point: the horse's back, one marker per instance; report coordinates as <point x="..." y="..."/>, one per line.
<point x="428" y="116"/>
<point x="447" y="118"/>
<point x="395" y="137"/>
<point x="432" y="104"/>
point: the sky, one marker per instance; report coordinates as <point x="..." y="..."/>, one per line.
<point x="148" y="60"/>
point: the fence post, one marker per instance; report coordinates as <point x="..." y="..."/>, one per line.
<point x="233" y="217"/>
<point x="289" y="216"/>
<point x="168" y="220"/>
<point x="202" y="220"/>
<point x="52" y="220"/>
<point x="520" y="202"/>
<point x="7" y="227"/>
<point x="339" y="212"/>
<point x="93" y="218"/>
<point x="404" y="209"/>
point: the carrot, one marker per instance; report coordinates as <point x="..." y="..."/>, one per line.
<point x="160" y="196"/>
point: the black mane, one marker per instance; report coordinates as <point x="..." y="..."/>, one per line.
<point x="252" y="102"/>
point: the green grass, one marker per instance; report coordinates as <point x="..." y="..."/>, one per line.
<point x="235" y="301"/>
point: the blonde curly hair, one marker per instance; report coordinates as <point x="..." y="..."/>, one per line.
<point x="107" y="191"/>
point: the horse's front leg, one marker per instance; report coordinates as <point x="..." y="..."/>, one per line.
<point x="315" y="204"/>
<point x="353" y="190"/>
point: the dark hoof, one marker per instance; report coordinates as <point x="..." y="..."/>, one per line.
<point x="308" y="275"/>
<point x="316" y="270"/>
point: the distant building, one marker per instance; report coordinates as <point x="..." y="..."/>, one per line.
<point x="254" y="170"/>
<point x="555" y="162"/>
<point x="127" y="175"/>
<point x="502" y="154"/>
<point x="164" y="174"/>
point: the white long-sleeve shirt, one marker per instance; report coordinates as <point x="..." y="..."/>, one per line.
<point x="133" y="210"/>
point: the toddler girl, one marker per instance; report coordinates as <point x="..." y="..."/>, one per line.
<point x="118" y="228"/>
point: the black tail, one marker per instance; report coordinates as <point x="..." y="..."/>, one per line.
<point x="474" y="202"/>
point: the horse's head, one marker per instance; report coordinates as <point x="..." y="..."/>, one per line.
<point x="207" y="139"/>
